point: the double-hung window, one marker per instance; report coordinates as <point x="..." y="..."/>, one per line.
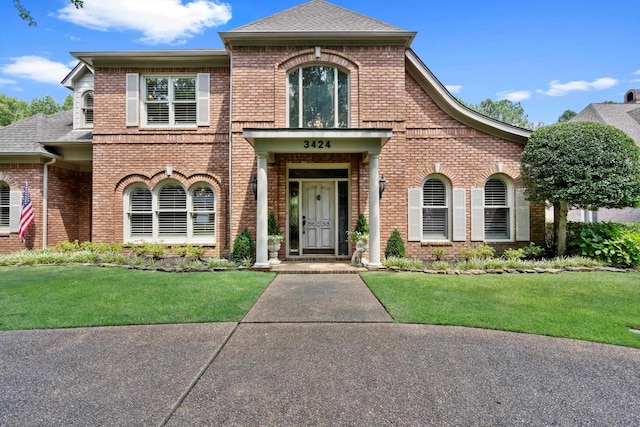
<point x="435" y="210"/>
<point x="170" y="100"/>
<point x="170" y="214"/>
<point x="497" y="211"/>
<point x="318" y="97"/>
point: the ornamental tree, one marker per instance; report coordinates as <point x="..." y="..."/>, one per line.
<point x="583" y="165"/>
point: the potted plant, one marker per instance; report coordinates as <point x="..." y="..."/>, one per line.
<point x="275" y="238"/>
<point x="360" y="238"/>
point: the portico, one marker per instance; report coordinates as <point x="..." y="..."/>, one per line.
<point x="269" y="142"/>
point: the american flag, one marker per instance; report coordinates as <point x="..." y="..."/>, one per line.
<point x="26" y="215"/>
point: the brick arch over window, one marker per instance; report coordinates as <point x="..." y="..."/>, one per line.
<point x="511" y="173"/>
<point x="446" y="171"/>
<point x="308" y="57"/>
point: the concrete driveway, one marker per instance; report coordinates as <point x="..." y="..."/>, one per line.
<point x="330" y="368"/>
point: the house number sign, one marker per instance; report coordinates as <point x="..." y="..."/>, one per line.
<point x="320" y="144"/>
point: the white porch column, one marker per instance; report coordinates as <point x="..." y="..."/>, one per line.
<point x="262" y="255"/>
<point x="374" y="213"/>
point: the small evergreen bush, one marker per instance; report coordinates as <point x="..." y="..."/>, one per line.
<point x="395" y="246"/>
<point x="362" y="226"/>
<point x="244" y="247"/>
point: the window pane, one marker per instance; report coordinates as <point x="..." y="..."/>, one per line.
<point x="435" y="224"/>
<point x="343" y="100"/>
<point x="318" y="97"/>
<point x="157" y="89"/>
<point x="141" y="225"/>
<point x="294" y="98"/>
<point x="88" y="108"/>
<point x="496" y="223"/>
<point x="172" y="223"/>
<point x="434" y="193"/>
<point x="495" y="193"/>
<point x="158" y="114"/>
<point x="185" y="113"/>
<point x="141" y="200"/>
<point x="184" y="88"/>
<point x="172" y="197"/>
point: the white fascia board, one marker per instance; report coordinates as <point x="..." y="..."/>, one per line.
<point x="452" y="107"/>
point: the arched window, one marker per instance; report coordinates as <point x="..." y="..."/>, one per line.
<point x="141" y="213"/>
<point x="203" y="211"/>
<point x="87" y="107"/>
<point x="435" y="209"/>
<point x="170" y="214"/>
<point x="172" y="211"/>
<point x="5" y="206"/>
<point x="497" y="210"/>
<point x="318" y="97"/>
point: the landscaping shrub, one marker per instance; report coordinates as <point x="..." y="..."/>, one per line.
<point x="395" y="246"/>
<point x="362" y="226"/>
<point x="439" y="253"/>
<point x="244" y="248"/>
<point x="609" y="242"/>
<point x="480" y="252"/>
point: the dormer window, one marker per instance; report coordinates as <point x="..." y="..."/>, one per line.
<point x="318" y="97"/>
<point x="87" y="108"/>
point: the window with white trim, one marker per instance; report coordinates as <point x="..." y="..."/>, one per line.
<point x="87" y="108"/>
<point x="318" y="97"/>
<point x="5" y="207"/>
<point x="497" y="210"/>
<point x="169" y="100"/>
<point x="171" y="214"/>
<point x="435" y="209"/>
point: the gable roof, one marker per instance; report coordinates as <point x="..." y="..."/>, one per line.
<point x="27" y="136"/>
<point x="625" y="117"/>
<point x="318" y="20"/>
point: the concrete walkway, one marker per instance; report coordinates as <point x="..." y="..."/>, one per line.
<point x="330" y="366"/>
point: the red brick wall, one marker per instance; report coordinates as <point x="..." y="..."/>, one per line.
<point x="69" y="206"/>
<point x="16" y="175"/>
<point x="123" y="155"/>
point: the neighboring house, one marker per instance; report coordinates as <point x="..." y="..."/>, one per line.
<point x="302" y="113"/>
<point x="626" y="117"/>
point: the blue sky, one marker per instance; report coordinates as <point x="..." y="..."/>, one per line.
<point x="550" y="55"/>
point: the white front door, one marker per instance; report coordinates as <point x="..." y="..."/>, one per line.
<point x="318" y="212"/>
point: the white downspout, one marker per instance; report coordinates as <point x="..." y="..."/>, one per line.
<point x="230" y="204"/>
<point x="45" y="201"/>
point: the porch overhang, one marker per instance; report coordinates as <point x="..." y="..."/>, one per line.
<point x="317" y="141"/>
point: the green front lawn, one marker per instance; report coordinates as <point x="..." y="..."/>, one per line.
<point x="599" y="307"/>
<point x="74" y="296"/>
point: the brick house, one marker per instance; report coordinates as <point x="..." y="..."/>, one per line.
<point x="305" y="113"/>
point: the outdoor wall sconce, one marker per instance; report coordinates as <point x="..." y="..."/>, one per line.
<point x="254" y="186"/>
<point x="383" y="186"/>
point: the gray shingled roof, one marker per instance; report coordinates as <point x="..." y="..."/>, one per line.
<point x="317" y="16"/>
<point x="26" y="136"/>
<point x="625" y="117"/>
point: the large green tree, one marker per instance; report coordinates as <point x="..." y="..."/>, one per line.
<point x="580" y="164"/>
<point x="566" y="116"/>
<point x="25" y="15"/>
<point x="12" y="109"/>
<point x="505" y="111"/>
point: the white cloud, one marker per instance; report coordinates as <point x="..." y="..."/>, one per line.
<point x="160" y="21"/>
<point x="634" y="80"/>
<point x="514" y="95"/>
<point x="559" y="89"/>
<point x="454" y="88"/>
<point x="637" y="72"/>
<point x="6" y="82"/>
<point x="36" y="68"/>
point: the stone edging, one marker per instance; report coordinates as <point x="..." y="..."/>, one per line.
<point x="453" y="272"/>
